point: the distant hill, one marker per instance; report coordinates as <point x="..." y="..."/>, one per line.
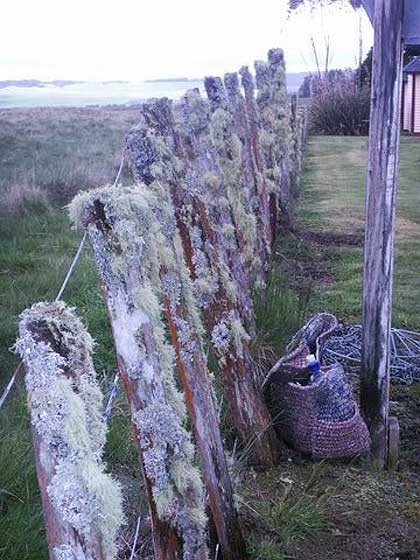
<point x="38" y="83"/>
<point x="294" y="81"/>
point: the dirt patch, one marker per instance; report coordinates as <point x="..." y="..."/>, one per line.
<point x="362" y="515"/>
<point x="331" y="239"/>
<point x="407" y="229"/>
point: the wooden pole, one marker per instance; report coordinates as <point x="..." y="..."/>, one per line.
<point x="186" y="331"/>
<point x="195" y="379"/>
<point x="125" y="237"/>
<point x="268" y="203"/>
<point x="82" y="504"/>
<point x="203" y="214"/>
<point x="381" y="189"/>
<point x="229" y="139"/>
<point x="254" y="180"/>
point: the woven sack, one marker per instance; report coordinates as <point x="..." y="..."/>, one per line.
<point x="320" y="418"/>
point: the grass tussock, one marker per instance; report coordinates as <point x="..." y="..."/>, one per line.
<point x="23" y="199"/>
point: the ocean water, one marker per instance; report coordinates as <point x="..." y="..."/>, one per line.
<point x="93" y="93"/>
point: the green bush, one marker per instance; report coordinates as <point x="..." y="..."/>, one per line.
<point x="340" y="107"/>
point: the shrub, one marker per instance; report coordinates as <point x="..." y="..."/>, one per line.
<point x="340" y="106"/>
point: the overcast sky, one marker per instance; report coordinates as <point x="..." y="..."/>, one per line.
<point x="138" y="39"/>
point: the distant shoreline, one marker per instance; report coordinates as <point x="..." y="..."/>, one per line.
<point x="72" y="93"/>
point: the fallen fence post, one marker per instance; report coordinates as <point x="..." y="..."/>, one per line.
<point x="81" y="503"/>
<point x="123" y="232"/>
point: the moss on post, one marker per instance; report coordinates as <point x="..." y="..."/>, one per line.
<point x="81" y="502"/>
<point x="129" y="249"/>
<point x="260" y="152"/>
<point x="251" y="174"/>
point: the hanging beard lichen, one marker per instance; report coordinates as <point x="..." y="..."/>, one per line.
<point x="66" y="413"/>
<point x="126" y="227"/>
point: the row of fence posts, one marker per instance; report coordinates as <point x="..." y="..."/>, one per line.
<point x="179" y="255"/>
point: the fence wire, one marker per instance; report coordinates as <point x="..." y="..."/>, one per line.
<point x="19" y="369"/>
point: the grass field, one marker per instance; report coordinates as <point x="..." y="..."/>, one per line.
<point x="331" y="222"/>
<point x="298" y="510"/>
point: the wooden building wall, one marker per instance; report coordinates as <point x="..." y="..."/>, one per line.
<point x="407" y="102"/>
<point x="411" y="102"/>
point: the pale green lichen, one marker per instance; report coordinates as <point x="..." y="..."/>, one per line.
<point x="139" y="221"/>
<point x="229" y="336"/>
<point x="66" y="412"/>
<point x="229" y="151"/>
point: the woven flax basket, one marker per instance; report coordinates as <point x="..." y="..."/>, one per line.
<point x="321" y="418"/>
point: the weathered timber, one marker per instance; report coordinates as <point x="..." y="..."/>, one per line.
<point x="126" y="239"/>
<point x="198" y="183"/>
<point x="81" y="503"/>
<point x="269" y="203"/>
<point x="296" y="145"/>
<point x="237" y="176"/>
<point x="273" y="106"/>
<point x="381" y="189"/>
<point x="369" y="6"/>
<point x="185" y="326"/>
<point x="229" y="339"/>
<point x="393" y="443"/>
<point x="186" y="332"/>
<point x="192" y="187"/>
<point x="252" y="175"/>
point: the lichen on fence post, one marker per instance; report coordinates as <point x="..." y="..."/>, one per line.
<point x="124" y="234"/>
<point x="186" y="330"/>
<point x="211" y="199"/>
<point x="273" y="105"/>
<point x="231" y="157"/>
<point x="81" y="502"/>
<point x="269" y="202"/>
<point x="188" y="180"/>
<point x="259" y="196"/>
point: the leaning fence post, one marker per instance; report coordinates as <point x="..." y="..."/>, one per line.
<point x="272" y="103"/>
<point x="81" y="503"/>
<point x="256" y="131"/>
<point x="123" y="232"/>
<point x="186" y="329"/>
<point x="231" y="156"/>
<point x="189" y="183"/>
<point x="259" y="195"/>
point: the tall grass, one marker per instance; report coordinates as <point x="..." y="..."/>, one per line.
<point x="52" y="153"/>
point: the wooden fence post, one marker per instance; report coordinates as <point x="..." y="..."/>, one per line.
<point x="81" y="503"/>
<point x="259" y="195"/>
<point x="381" y="189"/>
<point x="269" y="204"/>
<point x="234" y="164"/>
<point x="186" y="331"/>
<point x="192" y="183"/>
<point x="124" y="234"/>
<point x="273" y="105"/>
<point x="186" y="328"/>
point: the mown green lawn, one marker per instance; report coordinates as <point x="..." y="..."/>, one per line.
<point x="332" y="205"/>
